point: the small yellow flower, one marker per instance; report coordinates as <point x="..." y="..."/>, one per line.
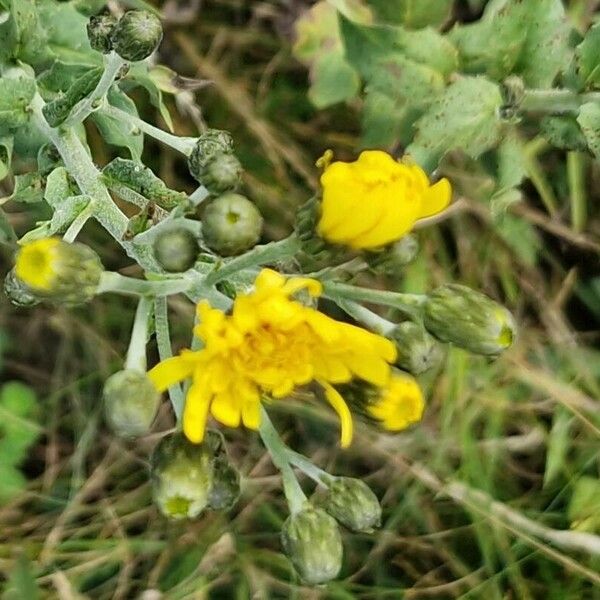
<point x="399" y="404"/>
<point x="271" y="344"/>
<point x="36" y="264"/>
<point x="376" y="200"/>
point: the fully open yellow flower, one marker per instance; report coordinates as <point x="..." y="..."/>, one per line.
<point x="399" y="404"/>
<point x="268" y="345"/>
<point x="376" y="200"/>
<point x="36" y="263"/>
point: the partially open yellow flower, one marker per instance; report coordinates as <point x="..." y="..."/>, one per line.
<point x="268" y="345"/>
<point x="399" y="404"/>
<point x="376" y="200"/>
<point x="36" y="263"/>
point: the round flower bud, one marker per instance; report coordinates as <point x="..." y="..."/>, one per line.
<point x="99" y="31"/>
<point x="223" y="174"/>
<point x="18" y="293"/>
<point x="130" y="403"/>
<point x="231" y="224"/>
<point x="353" y="503"/>
<point x="418" y="351"/>
<point x="226" y="485"/>
<point x="469" y="319"/>
<point x="182" y="477"/>
<point x="137" y="35"/>
<point x="55" y="270"/>
<point x="392" y="258"/>
<point x="176" y="250"/>
<point x="311" y="540"/>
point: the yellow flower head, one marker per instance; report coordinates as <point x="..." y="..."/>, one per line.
<point x="36" y="264"/>
<point x="376" y="200"/>
<point x="399" y="404"/>
<point x="268" y="345"/>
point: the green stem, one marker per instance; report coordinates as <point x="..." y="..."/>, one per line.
<point x="556" y="101"/>
<point x="408" y="304"/>
<point x="77" y="225"/>
<point x="367" y="317"/>
<point x="136" y="354"/>
<point x="112" y="65"/>
<point x="185" y="145"/>
<point x="278" y="451"/>
<point x="163" y="340"/>
<point x="199" y="195"/>
<point x="115" y="282"/>
<point x="259" y="255"/>
<point x="577" y="192"/>
<point x="308" y="468"/>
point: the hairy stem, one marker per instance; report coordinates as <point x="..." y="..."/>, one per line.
<point x="136" y="354"/>
<point x="117" y="283"/>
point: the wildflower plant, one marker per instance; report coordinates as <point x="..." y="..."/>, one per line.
<point x="261" y="332"/>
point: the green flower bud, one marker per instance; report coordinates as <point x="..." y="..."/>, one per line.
<point x="231" y="224"/>
<point x="99" y="31"/>
<point x="389" y="260"/>
<point x="18" y="293"/>
<point x="226" y="485"/>
<point x="130" y="403"/>
<point x="353" y="503"/>
<point x="311" y="539"/>
<point x="459" y="315"/>
<point x="418" y="351"/>
<point x="182" y="476"/>
<point x="223" y="175"/>
<point x="57" y="271"/>
<point x="176" y="250"/>
<point x="137" y="35"/>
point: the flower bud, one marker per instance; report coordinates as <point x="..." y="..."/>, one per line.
<point x="176" y="250"/>
<point x="99" y="31"/>
<point x="311" y="539"/>
<point x="18" y="293"/>
<point x="471" y="320"/>
<point x="392" y="258"/>
<point x="231" y="224"/>
<point x="418" y="351"/>
<point x="225" y="490"/>
<point x="353" y="503"/>
<point x="130" y="403"/>
<point x="182" y="477"/>
<point x="213" y="163"/>
<point x="55" y="270"/>
<point x="137" y="35"/>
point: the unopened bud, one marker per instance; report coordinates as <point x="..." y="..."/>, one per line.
<point x="231" y="224"/>
<point x="58" y="271"/>
<point x="418" y="351"/>
<point x="353" y="503"/>
<point x="182" y="477"/>
<point x="137" y="35"/>
<point x="311" y="539"/>
<point x="130" y="403"/>
<point x="17" y="292"/>
<point x="469" y="319"/>
<point x="176" y="250"/>
<point x="390" y="259"/>
<point x="99" y="31"/>
<point x="225" y="490"/>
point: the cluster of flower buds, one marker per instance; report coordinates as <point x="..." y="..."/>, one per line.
<point x="134" y="37"/>
<point x="189" y="478"/>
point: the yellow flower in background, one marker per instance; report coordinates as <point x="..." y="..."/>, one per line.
<point x="36" y="263"/>
<point x="376" y="200"/>
<point x="399" y="404"/>
<point x="269" y="345"/>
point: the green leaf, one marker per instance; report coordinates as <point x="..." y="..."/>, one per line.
<point x="60" y="77"/>
<point x="7" y="233"/>
<point x="21" y="584"/>
<point x="382" y="120"/>
<point x="33" y="46"/>
<point x="58" y="187"/>
<point x="29" y="188"/>
<point x="142" y="74"/>
<point x="413" y="14"/>
<point x="355" y="10"/>
<point x="558" y="444"/>
<point x="588" y="57"/>
<point x="464" y="117"/>
<point x="589" y="121"/>
<point x="511" y="173"/>
<point x="563" y="132"/>
<point x="115" y="131"/>
<point x="584" y="507"/>
<point x="319" y="46"/>
<point x="520" y="236"/>
<point x="6" y="148"/>
<point x="16" y="92"/>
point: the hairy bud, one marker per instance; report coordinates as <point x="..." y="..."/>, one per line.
<point x="137" y="35"/>
<point x="392" y="258"/>
<point x="99" y="31"/>
<point x="176" y="250"/>
<point x="17" y="292"/>
<point x="418" y="351"/>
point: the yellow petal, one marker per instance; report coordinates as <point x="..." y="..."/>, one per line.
<point x="170" y="371"/>
<point x="195" y="412"/>
<point x="436" y="199"/>
<point x="251" y="410"/>
<point x="339" y="405"/>
<point x="368" y="367"/>
<point x="226" y="408"/>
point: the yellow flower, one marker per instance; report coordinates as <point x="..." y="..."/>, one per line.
<point x="376" y="200"/>
<point x="268" y="345"/>
<point x="36" y="263"/>
<point x="399" y="404"/>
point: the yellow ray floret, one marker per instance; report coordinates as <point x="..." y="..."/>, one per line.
<point x="376" y="200"/>
<point x="269" y="345"/>
<point x="36" y="263"/>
